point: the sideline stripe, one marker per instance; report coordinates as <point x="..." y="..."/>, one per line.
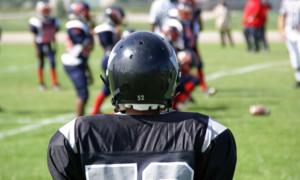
<point x="62" y="118"/>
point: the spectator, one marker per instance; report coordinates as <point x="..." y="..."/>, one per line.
<point x="222" y="21"/>
<point x="263" y="13"/>
<point x="250" y="24"/>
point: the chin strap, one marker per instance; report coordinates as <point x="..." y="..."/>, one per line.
<point x="169" y="102"/>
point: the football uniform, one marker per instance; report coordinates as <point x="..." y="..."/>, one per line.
<point x="76" y="56"/>
<point x="291" y="10"/>
<point x="176" y="145"/>
<point x="44" y="31"/>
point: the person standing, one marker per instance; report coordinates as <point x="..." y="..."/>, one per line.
<point x="262" y="15"/>
<point x="79" y="44"/>
<point x="109" y="34"/>
<point x="223" y="21"/>
<point x="44" y="29"/>
<point x="143" y="143"/>
<point x="159" y="14"/>
<point x="250" y="24"/>
<point x="289" y="28"/>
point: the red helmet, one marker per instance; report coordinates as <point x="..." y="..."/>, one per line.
<point x="185" y="10"/>
<point x="115" y="14"/>
<point x="80" y="9"/>
<point x="43" y="8"/>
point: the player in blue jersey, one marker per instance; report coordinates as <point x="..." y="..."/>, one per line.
<point x="109" y="34"/>
<point x="143" y="144"/>
<point x="44" y="28"/>
<point x="79" y="44"/>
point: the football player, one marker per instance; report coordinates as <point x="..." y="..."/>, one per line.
<point x="44" y="28"/>
<point x="109" y="34"/>
<point x="190" y="29"/>
<point x="143" y="143"/>
<point x="79" y="44"/>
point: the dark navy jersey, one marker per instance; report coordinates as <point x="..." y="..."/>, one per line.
<point x="177" y="145"/>
<point x="107" y="36"/>
<point x="44" y="29"/>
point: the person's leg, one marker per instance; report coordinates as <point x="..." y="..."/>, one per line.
<point x="229" y="37"/>
<point x="247" y="38"/>
<point x="51" y="55"/>
<point x="294" y="49"/>
<point x="222" y="38"/>
<point x="79" y="79"/>
<point x="256" y="38"/>
<point x="105" y="91"/>
<point x="40" y="67"/>
<point x="263" y="38"/>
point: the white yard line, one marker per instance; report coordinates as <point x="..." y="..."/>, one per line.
<point x="67" y="117"/>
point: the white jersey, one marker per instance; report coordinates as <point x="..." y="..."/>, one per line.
<point x="222" y="17"/>
<point x="159" y="13"/>
<point x="291" y="9"/>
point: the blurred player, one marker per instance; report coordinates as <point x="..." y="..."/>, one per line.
<point x="109" y="34"/>
<point x="44" y="28"/>
<point x="223" y="21"/>
<point x="289" y="28"/>
<point x="188" y="29"/>
<point x="79" y="44"/>
<point x="159" y="14"/>
<point x="143" y="143"/>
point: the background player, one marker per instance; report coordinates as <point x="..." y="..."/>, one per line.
<point x="44" y="28"/>
<point x="109" y="34"/>
<point x="143" y="144"/>
<point x="79" y="44"/>
<point x="289" y="28"/>
<point x="188" y="29"/>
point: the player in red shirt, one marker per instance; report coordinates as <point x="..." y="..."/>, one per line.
<point x="262" y="15"/>
<point x="251" y="22"/>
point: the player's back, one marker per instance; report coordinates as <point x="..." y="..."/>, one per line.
<point x="176" y="145"/>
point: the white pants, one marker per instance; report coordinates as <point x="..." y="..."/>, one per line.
<point x="293" y="46"/>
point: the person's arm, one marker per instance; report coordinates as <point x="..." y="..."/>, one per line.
<point x="63" y="159"/>
<point x="152" y="27"/>
<point x="88" y="73"/>
<point x="280" y="25"/>
<point x="219" y="153"/>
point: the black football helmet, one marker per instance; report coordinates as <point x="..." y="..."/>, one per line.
<point x="143" y="72"/>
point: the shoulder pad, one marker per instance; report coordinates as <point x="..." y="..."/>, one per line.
<point x="35" y="22"/>
<point x="104" y="27"/>
<point x="77" y="24"/>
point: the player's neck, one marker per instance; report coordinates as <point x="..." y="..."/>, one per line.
<point x="133" y="111"/>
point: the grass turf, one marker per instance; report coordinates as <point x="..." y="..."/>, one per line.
<point x="268" y="146"/>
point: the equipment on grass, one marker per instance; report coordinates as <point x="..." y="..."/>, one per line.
<point x="258" y="110"/>
<point x="143" y="72"/>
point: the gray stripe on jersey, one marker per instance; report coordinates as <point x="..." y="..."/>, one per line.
<point x="68" y="131"/>
<point x="214" y="128"/>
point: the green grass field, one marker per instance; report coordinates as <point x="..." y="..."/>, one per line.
<point x="268" y="146"/>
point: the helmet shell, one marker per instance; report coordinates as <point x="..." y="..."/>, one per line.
<point x="143" y="69"/>
<point x="115" y="14"/>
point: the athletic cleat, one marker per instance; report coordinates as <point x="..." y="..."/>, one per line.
<point x="181" y="106"/>
<point x="42" y="87"/>
<point x="297" y="85"/>
<point x="56" y="88"/>
<point x="209" y="91"/>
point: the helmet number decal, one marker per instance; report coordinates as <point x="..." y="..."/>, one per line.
<point x="140" y="98"/>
